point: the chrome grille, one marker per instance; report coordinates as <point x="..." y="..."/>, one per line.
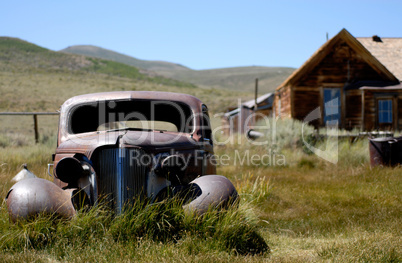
<point x="121" y="176"/>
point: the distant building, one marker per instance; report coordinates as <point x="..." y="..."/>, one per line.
<point x="241" y="119"/>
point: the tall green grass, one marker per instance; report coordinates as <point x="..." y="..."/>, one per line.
<point x="228" y="231"/>
<point x="163" y="226"/>
<point x="307" y="210"/>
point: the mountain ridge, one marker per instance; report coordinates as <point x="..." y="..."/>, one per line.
<point x="99" y="52"/>
<point x="233" y="78"/>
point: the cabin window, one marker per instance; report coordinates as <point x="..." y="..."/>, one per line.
<point x="385" y="111"/>
<point x="332" y="106"/>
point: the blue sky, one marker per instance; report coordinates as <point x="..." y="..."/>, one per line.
<point x="200" y="34"/>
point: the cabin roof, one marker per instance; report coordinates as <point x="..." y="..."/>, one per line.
<point x="387" y="50"/>
<point x="251" y="103"/>
<point x="393" y="87"/>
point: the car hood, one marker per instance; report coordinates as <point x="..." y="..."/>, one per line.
<point x="151" y="141"/>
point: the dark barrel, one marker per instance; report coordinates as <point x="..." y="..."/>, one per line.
<point x="385" y="151"/>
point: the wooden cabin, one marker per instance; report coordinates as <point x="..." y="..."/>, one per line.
<point x="350" y="82"/>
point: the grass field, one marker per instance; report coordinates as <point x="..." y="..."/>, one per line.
<point x="302" y="207"/>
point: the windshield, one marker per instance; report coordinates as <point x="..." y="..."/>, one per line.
<point x="131" y="114"/>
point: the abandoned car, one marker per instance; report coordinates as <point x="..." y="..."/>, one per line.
<point x="121" y="146"/>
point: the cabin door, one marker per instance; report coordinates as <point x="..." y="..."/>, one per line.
<point x="332" y="106"/>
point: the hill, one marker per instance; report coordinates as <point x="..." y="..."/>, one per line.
<point x="98" y="52"/>
<point x="22" y="55"/>
<point x="237" y="78"/>
<point x="33" y="78"/>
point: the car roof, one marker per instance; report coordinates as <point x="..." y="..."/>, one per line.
<point x="129" y="95"/>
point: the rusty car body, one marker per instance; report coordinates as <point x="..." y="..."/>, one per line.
<point x="124" y="146"/>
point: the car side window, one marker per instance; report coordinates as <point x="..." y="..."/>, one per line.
<point x="206" y="124"/>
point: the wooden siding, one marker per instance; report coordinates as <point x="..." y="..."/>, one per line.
<point x="305" y="100"/>
<point x="369" y="112"/>
<point x="282" y="103"/>
<point x="353" y="108"/>
<point x="341" y="65"/>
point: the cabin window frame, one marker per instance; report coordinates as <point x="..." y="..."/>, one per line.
<point x="394" y="108"/>
<point x="384" y="108"/>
